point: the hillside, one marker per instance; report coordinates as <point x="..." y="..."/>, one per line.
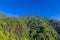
<point x="29" y="28"/>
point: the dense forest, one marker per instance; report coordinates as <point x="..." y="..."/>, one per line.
<point x="29" y="28"/>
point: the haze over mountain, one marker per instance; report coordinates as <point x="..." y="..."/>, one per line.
<point x="48" y="8"/>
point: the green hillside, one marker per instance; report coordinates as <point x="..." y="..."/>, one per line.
<point x="29" y="28"/>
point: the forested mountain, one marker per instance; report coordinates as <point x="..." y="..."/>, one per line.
<point x="29" y="28"/>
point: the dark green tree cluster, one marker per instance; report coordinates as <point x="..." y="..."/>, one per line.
<point x="29" y="28"/>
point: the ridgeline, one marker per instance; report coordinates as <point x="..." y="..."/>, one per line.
<point x="29" y="28"/>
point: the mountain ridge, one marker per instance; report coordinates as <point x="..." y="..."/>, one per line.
<point x="29" y="28"/>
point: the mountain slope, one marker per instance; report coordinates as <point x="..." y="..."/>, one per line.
<point x="29" y="28"/>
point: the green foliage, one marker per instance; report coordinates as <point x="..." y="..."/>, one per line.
<point x="29" y="28"/>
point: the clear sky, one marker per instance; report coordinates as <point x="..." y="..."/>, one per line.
<point x="49" y="8"/>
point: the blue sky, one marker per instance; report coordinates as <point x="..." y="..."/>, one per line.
<point x="48" y="8"/>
